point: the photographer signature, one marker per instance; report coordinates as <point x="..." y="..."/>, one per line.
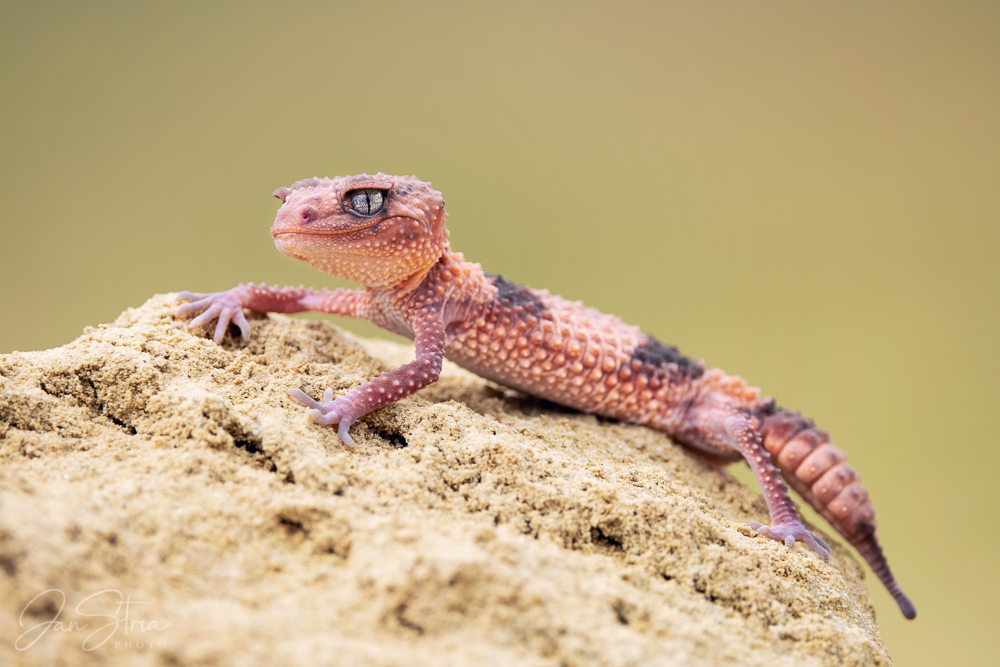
<point x="97" y="606"/>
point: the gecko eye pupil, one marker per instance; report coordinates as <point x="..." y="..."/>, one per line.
<point x="367" y="201"/>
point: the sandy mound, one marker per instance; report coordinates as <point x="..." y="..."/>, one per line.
<point x="147" y="472"/>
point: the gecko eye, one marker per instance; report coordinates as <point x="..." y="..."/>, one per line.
<point x="367" y="201"/>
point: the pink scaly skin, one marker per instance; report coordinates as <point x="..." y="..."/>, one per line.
<point x="387" y="233"/>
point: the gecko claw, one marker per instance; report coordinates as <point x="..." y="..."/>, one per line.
<point x="790" y="533"/>
<point x="327" y="413"/>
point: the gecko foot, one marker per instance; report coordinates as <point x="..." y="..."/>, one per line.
<point x="790" y="533"/>
<point x="226" y="307"/>
<point x="329" y="412"/>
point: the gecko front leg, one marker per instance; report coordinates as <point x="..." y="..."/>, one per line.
<point x="428" y="328"/>
<point x="228" y="306"/>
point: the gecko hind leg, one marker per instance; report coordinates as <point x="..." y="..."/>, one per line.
<point x="740" y="431"/>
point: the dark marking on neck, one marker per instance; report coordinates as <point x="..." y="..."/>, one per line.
<point x="518" y="295"/>
<point x="659" y="355"/>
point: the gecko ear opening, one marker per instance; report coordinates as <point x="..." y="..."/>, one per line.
<point x="281" y="193"/>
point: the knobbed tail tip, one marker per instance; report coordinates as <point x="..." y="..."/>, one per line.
<point x="905" y="606"/>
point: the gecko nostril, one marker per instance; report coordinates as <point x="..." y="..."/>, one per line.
<point x="307" y="213"/>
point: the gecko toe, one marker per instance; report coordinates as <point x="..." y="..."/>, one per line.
<point x="303" y="398"/>
<point x="209" y="314"/>
<point x="344" y="432"/>
<point x="190" y="308"/>
<point x="240" y="320"/>
<point x="190" y="296"/>
<point x="220" y="330"/>
<point x="819" y="546"/>
<point x="790" y="533"/>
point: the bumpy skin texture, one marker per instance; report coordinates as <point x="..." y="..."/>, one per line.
<point x="387" y="233"/>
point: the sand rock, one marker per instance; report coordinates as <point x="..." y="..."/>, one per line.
<point x="143" y="464"/>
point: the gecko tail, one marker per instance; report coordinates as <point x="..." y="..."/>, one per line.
<point x="819" y="472"/>
<point x="871" y="550"/>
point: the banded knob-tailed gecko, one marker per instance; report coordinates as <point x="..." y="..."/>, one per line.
<point x="388" y="234"/>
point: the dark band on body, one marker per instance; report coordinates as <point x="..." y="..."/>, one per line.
<point x="518" y="295"/>
<point x="656" y="353"/>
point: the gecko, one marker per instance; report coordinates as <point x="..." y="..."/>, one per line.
<point x="388" y="234"/>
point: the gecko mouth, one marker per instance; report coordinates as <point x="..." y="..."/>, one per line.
<point x="322" y="232"/>
<point x="372" y="225"/>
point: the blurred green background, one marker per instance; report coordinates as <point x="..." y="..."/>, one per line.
<point x="806" y="194"/>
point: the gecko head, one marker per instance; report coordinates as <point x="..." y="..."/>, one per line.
<point x="381" y="231"/>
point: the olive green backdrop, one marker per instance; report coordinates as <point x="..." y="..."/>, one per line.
<point x="805" y="194"/>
